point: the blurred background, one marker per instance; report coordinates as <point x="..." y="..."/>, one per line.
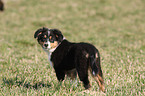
<point x="116" y="28"/>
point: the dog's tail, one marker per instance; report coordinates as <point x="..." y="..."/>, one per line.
<point x="95" y="64"/>
<point x="96" y="70"/>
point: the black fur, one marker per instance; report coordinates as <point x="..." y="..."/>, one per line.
<point x="69" y="56"/>
<point x="40" y="30"/>
<point x="57" y="34"/>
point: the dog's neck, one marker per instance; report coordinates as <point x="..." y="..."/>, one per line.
<point x="49" y="52"/>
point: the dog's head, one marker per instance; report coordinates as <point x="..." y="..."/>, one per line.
<point x="48" y="38"/>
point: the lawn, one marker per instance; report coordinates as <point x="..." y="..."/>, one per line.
<point x="115" y="27"/>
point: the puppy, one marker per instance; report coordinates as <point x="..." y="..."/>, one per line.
<point x="1" y="5"/>
<point x="68" y="58"/>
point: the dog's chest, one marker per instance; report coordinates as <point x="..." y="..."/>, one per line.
<point x="49" y="58"/>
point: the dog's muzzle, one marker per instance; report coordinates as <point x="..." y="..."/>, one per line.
<point x="45" y="45"/>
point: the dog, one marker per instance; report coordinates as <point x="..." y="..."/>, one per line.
<point x="68" y="58"/>
<point x="1" y="5"/>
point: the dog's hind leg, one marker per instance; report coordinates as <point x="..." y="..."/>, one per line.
<point x="100" y="82"/>
<point x="84" y="78"/>
<point x="97" y="72"/>
<point x="82" y="70"/>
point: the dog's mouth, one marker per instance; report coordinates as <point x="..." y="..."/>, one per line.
<point x="46" y="48"/>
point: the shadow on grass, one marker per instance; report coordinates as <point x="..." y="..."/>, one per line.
<point x="15" y="82"/>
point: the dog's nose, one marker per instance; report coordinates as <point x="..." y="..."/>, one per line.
<point x="45" y="45"/>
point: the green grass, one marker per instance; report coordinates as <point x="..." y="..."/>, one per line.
<point x="116" y="28"/>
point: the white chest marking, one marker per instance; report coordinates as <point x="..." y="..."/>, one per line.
<point x="49" y="58"/>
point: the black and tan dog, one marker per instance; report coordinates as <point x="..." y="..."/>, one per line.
<point x="68" y="58"/>
<point x="1" y="5"/>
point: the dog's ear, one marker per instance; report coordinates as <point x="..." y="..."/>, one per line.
<point x="40" y="31"/>
<point x="57" y="34"/>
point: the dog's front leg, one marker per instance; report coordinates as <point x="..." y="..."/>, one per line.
<point x="60" y="75"/>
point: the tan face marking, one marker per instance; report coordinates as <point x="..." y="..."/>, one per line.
<point x="54" y="45"/>
<point x="45" y="36"/>
<point x="50" y="37"/>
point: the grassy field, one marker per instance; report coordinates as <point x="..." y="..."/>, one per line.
<point x="115" y="27"/>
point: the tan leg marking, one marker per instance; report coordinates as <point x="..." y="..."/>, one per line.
<point x="100" y="82"/>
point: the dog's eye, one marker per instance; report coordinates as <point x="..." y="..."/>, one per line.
<point x="43" y="39"/>
<point x="51" y="39"/>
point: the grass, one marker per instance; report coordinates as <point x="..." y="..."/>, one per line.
<point x="115" y="27"/>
